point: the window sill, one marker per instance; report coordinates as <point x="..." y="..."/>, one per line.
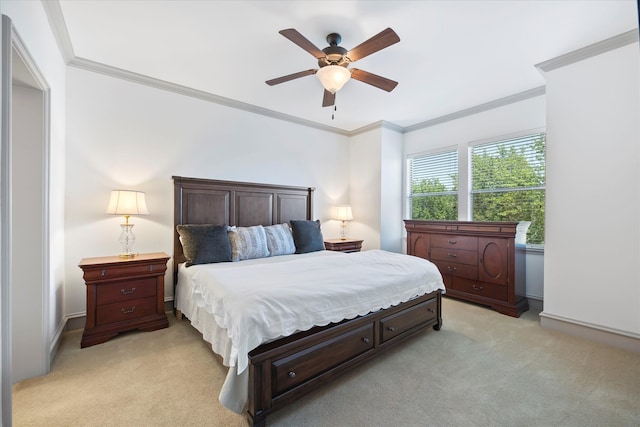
<point x="535" y="249"/>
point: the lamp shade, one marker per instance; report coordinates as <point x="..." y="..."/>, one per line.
<point x="126" y="202"/>
<point x="333" y="77"/>
<point x="343" y="213"/>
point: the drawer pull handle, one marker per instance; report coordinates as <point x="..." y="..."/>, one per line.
<point x="391" y="329"/>
<point x="365" y="340"/>
<point x="128" y="311"/>
<point x="103" y="273"/>
<point x="478" y="287"/>
<point x="451" y="268"/>
<point x="125" y="292"/>
<point x="452" y="255"/>
<point x="430" y="310"/>
<point x="292" y="374"/>
<point x="151" y="267"/>
<point x="452" y="242"/>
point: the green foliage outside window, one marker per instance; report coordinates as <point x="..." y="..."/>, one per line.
<point x="436" y="205"/>
<point x="508" y="183"/>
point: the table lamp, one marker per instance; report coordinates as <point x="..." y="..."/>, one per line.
<point x="344" y="214"/>
<point x="127" y="203"/>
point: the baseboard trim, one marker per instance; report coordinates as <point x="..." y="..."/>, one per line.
<point x="612" y="337"/>
<point x="75" y="322"/>
<point x="535" y="304"/>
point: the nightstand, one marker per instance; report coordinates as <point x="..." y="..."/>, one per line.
<point x="346" y="245"/>
<point x="123" y="294"/>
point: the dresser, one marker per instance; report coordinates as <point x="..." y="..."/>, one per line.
<point x="343" y="245"/>
<point x="123" y="294"/>
<point x="481" y="262"/>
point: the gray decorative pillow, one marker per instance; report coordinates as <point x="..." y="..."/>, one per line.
<point x="307" y="236"/>
<point x="204" y="243"/>
<point x="279" y="240"/>
<point x="248" y="242"/>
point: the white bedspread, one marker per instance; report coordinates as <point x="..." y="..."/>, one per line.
<point x="216" y="283"/>
<point x="259" y="302"/>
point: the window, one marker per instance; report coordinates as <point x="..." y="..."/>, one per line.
<point x="508" y="182"/>
<point x="433" y="186"/>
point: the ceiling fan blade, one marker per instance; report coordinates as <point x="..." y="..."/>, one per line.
<point x="373" y="79"/>
<point x="378" y="42"/>
<point x="328" y="99"/>
<point x="302" y="41"/>
<point x="290" y="77"/>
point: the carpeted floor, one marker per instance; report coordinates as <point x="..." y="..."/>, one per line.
<point x="481" y="369"/>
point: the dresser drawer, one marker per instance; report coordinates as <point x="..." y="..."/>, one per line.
<point x="394" y="325"/>
<point x="457" y="270"/>
<point x="122" y="311"/>
<point x="305" y="364"/>
<point x="455" y="255"/>
<point x="484" y="289"/>
<point x="469" y="243"/>
<point x="126" y="290"/>
<point x="115" y="271"/>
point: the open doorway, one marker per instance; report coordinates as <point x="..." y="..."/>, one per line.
<point x="24" y="217"/>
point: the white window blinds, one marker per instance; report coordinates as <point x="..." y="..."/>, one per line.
<point x="433" y="182"/>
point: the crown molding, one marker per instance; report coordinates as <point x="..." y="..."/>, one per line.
<point x="119" y="73"/>
<point x="59" y="27"/>
<point x="592" y="50"/>
<point x="522" y="96"/>
<point x="377" y="125"/>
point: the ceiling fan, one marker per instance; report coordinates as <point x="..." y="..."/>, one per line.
<point x="333" y="61"/>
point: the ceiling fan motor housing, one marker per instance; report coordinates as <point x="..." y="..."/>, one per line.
<point x="335" y="55"/>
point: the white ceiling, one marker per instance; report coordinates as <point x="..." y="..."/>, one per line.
<point x="452" y="55"/>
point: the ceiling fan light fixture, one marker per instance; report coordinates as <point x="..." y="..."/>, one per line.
<point x="333" y="77"/>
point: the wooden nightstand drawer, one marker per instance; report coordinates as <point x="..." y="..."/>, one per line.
<point x="126" y="291"/>
<point x="119" y="311"/>
<point x="114" y="272"/>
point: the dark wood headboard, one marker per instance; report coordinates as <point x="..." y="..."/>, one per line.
<point x="207" y="201"/>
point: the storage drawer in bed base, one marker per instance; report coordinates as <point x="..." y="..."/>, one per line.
<point x="271" y="385"/>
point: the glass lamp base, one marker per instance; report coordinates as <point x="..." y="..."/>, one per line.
<point x="127" y="239"/>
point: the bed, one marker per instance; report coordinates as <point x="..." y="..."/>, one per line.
<point x="271" y="367"/>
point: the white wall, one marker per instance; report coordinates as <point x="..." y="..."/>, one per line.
<point x="365" y="157"/>
<point x="491" y="124"/>
<point x="593" y="192"/>
<point x="391" y="168"/>
<point x="126" y="135"/>
<point x="376" y="189"/>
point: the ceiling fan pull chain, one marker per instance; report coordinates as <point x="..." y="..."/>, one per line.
<point x="335" y="108"/>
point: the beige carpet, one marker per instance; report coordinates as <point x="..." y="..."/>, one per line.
<point x="481" y="369"/>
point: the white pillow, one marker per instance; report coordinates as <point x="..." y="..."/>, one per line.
<point x="248" y="242"/>
<point x="279" y="240"/>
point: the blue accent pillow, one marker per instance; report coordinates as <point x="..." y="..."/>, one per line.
<point x="307" y="236"/>
<point x="279" y="240"/>
<point x="204" y="243"/>
<point x="248" y="242"/>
